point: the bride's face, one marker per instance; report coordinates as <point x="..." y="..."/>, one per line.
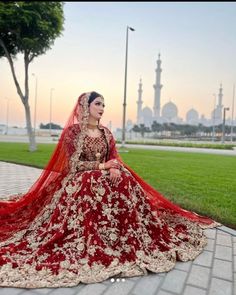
<point x="96" y="108"/>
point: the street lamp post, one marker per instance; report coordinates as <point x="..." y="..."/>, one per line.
<point x="214" y="115"/>
<point x="7" y="117"/>
<point x="35" y="101"/>
<point x="232" y="118"/>
<point x="51" y="90"/>
<point x="223" y="126"/>
<point x="125" y="85"/>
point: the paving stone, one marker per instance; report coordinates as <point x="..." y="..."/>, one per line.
<point x="220" y="287"/>
<point x="133" y="278"/>
<point x="204" y="259"/>
<point x="147" y="285"/>
<point x="234" y="248"/>
<point x="210" y="233"/>
<point x="183" y="265"/>
<point x="189" y="290"/>
<point x="222" y="230"/>
<point x="19" y="178"/>
<point x="228" y="230"/>
<point x="199" y="276"/>
<point x="13" y="291"/>
<point x="174" y="281"/>
<point x="235" y="267"/>
<point x="43" y="291"/>
<point x="64" y="291"/>
<point x="210" y="245"/>
<point x="118" y="288"/>
<point x="222" y="269"/>
<point x="224" y="240"/>
<point x="91" y="289"/>
<point x="30" y="292"/>
<point x="223" y="252"/>
<point x="161" y="292"/>
<point x="108" y="282"/>
<point x="162" y="274"/>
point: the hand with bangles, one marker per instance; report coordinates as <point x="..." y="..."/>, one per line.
<point x="110" y="164"/>
<point x="114" y="176"/>
<point x="114" y="168"/>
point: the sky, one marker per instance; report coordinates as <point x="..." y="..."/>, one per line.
<point x="196" y="41"/>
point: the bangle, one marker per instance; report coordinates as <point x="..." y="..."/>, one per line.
<point x="101" y="166"/>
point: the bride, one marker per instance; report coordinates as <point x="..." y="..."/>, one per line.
<point x="89" y="217"/>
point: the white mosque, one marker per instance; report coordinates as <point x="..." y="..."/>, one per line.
<point x="169" y="112"/>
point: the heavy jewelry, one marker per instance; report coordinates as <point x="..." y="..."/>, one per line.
<point x="91" y="126"/>
<point x="101" y="166"/>
<point x="98" y="156"/>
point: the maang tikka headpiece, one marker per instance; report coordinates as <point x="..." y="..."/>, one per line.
<point x="82" y="112"/>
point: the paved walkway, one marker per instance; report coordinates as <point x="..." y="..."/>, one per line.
<point x="182" y="149"/>
<point x="213" y="272"/>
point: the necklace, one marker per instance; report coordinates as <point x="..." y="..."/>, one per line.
<point x="91" y="126"/>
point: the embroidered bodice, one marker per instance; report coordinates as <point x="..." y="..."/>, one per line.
<point x="93" y="146"/>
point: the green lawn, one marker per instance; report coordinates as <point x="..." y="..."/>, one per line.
<point x="204" y="183"/>
<point x="19" y="153"/>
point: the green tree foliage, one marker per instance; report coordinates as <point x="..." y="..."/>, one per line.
<point x="28" y="28"/>
<point x="180" y="130"/>
<point x="47" y="126"/>
<point x="142" y="129"/>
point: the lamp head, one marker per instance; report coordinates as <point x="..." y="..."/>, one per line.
<point x="132" y="29"/>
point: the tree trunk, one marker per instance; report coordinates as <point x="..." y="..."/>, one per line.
<point x="31" y="135"/>
<point x="24" y="98"/>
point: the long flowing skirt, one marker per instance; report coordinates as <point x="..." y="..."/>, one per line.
<point x="92" y="230"/>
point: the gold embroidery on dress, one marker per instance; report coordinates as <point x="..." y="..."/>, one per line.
<point x="119" y="223"/>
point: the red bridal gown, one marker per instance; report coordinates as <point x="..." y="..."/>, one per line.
<point x="90" y="230"/>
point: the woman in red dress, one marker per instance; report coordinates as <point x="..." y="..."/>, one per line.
<point x="89" y="217"/>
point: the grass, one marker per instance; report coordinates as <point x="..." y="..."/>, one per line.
<point x="19" y="153"/>
<point x="203" y="183"/>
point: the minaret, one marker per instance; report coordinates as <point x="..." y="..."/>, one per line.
<point x="139" y="102"/>
<point x="157" y="91"/>
<point x="220" y="96"/>
<point x="219" y="106"/>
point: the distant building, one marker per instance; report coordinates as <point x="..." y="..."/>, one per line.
<point x="169" y="112"/>
<point x="147" y="116"/>
<point x="157" y="92"/>
<point x="192" y="117"/>
<point x="139" y="103"/>
<point x="203" y="120"/>
<point x="216" y="115"/>
<point x="129" y="125"/>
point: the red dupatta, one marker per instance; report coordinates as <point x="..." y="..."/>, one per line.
<point x="18" y="211"/>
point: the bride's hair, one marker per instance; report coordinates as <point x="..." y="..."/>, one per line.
<point x="92" y="96"/>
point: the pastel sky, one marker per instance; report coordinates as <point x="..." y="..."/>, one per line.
<point x="196" y="40"/>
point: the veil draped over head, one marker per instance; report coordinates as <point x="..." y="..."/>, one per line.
<point x="18" y="211"/>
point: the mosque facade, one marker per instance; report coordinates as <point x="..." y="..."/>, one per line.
<point x="168" y="113"/>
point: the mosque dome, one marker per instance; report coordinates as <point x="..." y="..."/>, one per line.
<point x="169" y="111"/>
<point x="192" y="115"/>
<point x="147" y="116"/>
<point x="147" y="112"/>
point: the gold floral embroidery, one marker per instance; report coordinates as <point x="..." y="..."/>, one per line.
<point x="87" y="219"/>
